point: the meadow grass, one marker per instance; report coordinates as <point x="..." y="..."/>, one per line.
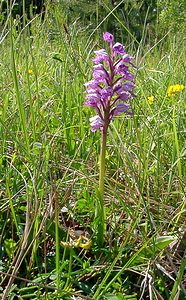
<point x="50" y="166"/>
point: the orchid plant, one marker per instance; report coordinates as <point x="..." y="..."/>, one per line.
<point x="110" y="93"/>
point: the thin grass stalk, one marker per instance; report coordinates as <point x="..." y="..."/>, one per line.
<point x="100" y="290"/>
<point x="36" y="221"/>
<point x="57" y="241"/>
<point x="111" y="12"/>
<point x="18" y="95"/>
<point x="23" y="245"/>
<point x="37" y="113"/>
<point x="18" y="259"/>
<point x="3" y="120"/>
<point x="177" y="144"/>
<point x="47" y="287"/>
<point x="179" y="277"/>
<point x="13" y="212"/>
<point x="69" y="269"/>
<point x="32" y="116"/>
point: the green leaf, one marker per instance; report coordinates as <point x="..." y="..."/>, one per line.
<point x="86" y="288"/>
<point x="119" y="296"/>
<point x="56" y="57"/>
<point x="163" y="241"/>
<point x="10" y="247"/>
<point x="152" y="249"/>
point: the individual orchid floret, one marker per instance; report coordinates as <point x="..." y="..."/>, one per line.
<point x="91" y="84"/>
<point x="96" y="123"/>
<point x="92" y="103"/>
<point x="118" y="49"/>
<point x="124" y="96"/>
<point x="106" y="93"/>
<point x="121" y="67"/>
<point x="128" y="86"/>
<point x="128" y="76"/>
<point x="127" y="58"/>
<point x="108" y="37"/>
<point x="111" y="89"/>
<point x="101" y="55"/>
<point x="122" y="108"/>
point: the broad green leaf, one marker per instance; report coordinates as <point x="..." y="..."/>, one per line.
<point x="152" y="249"/>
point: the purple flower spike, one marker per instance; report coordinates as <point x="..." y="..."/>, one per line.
<point x="108" y="37"/>
<point x="111" y="89"/>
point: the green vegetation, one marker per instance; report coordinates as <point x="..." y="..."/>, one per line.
<point x="49" y="161"/>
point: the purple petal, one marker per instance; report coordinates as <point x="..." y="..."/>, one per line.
<point x="129" y="76"/>
<point x="96" y="123"/>
<point x="117" y="88"/>
<point x="100" y="73"/>
<point x="92" y="103"/>
<point x="128" y="86"/>
<point x="100" y="67"/>
<point x="94" y="96"/>
<point x="101" y="55"/>
<point x="123" y="96"/>
<point x="106" y="93"/>
<point x="122" y="108"/>
<point x="91" y="84"/>
<point x="96" y="90"/>
<point x="125" y="87"/>
<point x="118" y="49"/>
<point x="120" y="68"/>
<point x="127" y="58"/>
<point x="108" y="37"/>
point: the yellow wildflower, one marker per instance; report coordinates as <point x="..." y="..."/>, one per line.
<point x="87" y="245"/>
<point x="173" y="90"/>
<point x="81" y="242"/>
<point x="151" y="99"/>
<point x="30" y="72"/>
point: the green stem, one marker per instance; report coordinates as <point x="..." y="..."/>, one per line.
<point x="100" y="211"/>
<point x="102" y="162"/>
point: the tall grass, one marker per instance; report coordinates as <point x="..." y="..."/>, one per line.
<point x="49" y="170"/>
